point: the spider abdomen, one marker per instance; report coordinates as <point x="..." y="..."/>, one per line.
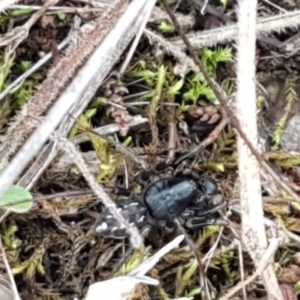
<point x="134" y="213"/>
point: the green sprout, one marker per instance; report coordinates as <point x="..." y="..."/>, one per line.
<point x="166" y="27"/>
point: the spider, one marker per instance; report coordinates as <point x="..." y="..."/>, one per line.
<point x="187" y="196"/>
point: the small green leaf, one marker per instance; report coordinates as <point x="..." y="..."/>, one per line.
<point x="297" y="287"/>
<point x="13" y="196"/>
<point x="90" y="113"/>
<point x="194" y="292"/>
<point x="148" y="75"/>
<point x="61" y="15"/>
<point x="175" y="88"/>
<point x="224" y="2"/>
<point x="19" y="12"/>
<point x="25" y="65"/>
<point x="128" y="141"/>
<point x="100" y="101"/>
<point x="166" y="27"/>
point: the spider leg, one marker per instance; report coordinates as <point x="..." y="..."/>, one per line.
<point x="144" y="232"/>
<point x="197" y="217"/>
<point x="210" y="210"/>
<point x="201" y="212"/>
<point x="199" y="222"/>
<point x="120" y="191"/>
<point x="144" y="177"/>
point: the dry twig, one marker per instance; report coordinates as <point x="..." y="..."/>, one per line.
<point x="111" y="128"/>
<point x="218" y="92"/>
<point x="13" y="287"/>
<point x="253" y="229"/>
<point x="65" y="9"/>
<point x="225" y="34"/>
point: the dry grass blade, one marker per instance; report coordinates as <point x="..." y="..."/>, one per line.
<point x="110" y="129"/>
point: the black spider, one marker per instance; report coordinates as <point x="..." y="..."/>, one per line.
<point x="187" y="197"/>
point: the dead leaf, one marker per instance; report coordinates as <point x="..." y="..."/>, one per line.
<point x="289" y="275"/>
<point x="297" y="258"/>
<point x="288" y="292"/>
<point x="293" y="224"/>
<point x="47" y="21"/>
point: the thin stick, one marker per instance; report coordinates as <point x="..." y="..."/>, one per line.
<point x="137" y="39"/>
<point x="219" y="94"/>
<point x="10" y="275"/>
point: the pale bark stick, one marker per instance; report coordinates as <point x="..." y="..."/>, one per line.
<point x="4" y="4"/>
<point x="253" y="229"/>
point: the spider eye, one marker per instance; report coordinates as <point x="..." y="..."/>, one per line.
<point x="209" y="186"/>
